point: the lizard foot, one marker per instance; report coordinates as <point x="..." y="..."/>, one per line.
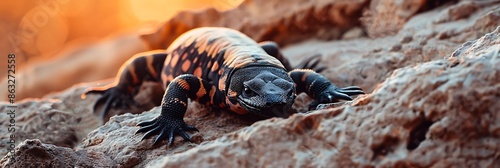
<point x="112" y="97"/>
<point x="311" y="63"/>
<point x="165" y="127"/>
<point x="332" y="94"/>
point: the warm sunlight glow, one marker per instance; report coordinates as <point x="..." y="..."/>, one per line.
<point x="162" y="10"/>
<point x="40" y="30"/>
<point x="152" y="10"/>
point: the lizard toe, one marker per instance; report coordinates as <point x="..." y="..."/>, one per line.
<point x="165" y="128"/>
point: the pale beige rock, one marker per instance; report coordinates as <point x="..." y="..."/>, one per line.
<point x="63" y="121"/>
<point x="47" y="155"/>
<point x="420" y="40"/>
<point x="387" y="17"/>
<point x="119" y="133"/>
<point x="270" y="20"/>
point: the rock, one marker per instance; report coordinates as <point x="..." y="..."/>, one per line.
<point x="62" y="122"/>
<point x="387" y="17"/>
<point x="354" y="33"/>
<point x="119" y="133"/>
<point x="46" y="155"/>
<point x="269" y="20"/>
<point x="333" y="105"/>
<point x="419" y="40"/>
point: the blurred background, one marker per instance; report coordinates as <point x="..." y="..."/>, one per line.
<point x="38" y="30"/>
<point x="59" y="43"/>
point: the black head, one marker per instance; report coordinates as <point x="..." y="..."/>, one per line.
<point x="265" y="91"/>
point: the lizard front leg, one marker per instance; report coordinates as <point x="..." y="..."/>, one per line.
<point x="170" y="122"/>
<point x="321" y="89"/>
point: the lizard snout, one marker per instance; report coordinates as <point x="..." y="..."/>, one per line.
<point x="274" y="100"/>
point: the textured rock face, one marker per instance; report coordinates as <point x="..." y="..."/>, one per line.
<point x="270" y="20"/>
<point x="432" y="102"/>
<point x="63" y="121"/>
<point x="134" y="152"/>
<point x="33" y="153"/>
<point x="387" y="17"/>
<point x="424" y="37"/>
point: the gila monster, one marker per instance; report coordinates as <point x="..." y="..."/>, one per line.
<point x="217" y="67"/>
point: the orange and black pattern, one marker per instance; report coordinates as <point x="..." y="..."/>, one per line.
<point x="199" y="65"/>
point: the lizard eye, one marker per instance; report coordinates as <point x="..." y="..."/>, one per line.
<point x="247" y="92"/>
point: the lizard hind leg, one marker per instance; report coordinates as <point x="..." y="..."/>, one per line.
<point x="120" y="94"/>
<point x="111" y="98"/>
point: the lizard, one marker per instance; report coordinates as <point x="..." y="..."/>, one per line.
<point x="219" y="67"/>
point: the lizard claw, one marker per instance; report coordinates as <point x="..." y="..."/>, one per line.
<point x="112" y="97"/>
<point x="333" y="94"/>
<point x="165" y="128"/>
<point x="311" y="63"/>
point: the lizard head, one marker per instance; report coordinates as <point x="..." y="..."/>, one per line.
<point x="262" y="90"/>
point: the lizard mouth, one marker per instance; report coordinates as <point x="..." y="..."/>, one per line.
<point x="274" y="110"/>
<point x="249" y="106"/>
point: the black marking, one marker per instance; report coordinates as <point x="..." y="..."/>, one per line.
<point x="256" y="57"/>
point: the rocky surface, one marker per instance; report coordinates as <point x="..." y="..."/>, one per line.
<point x="432" y="71"/>
<point x="47" y="155"/>
<point x="62" y="121"/>
<point x="270" y="20"/>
